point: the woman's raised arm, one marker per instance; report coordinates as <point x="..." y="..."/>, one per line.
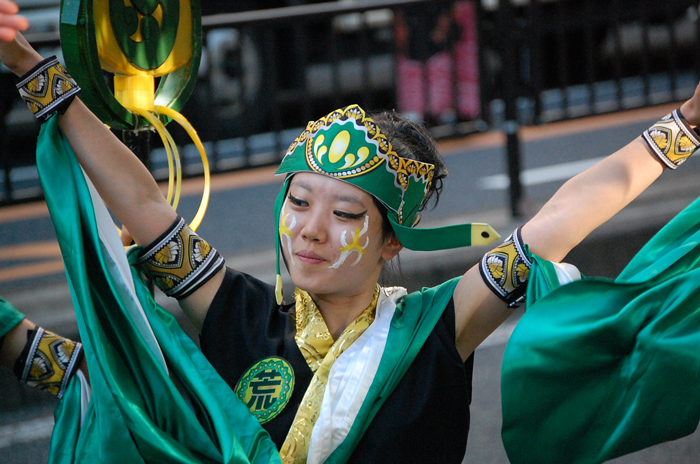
<point x="589" y="199"/>
<point x="580" y="206"/>
<point x="121" y="179"/>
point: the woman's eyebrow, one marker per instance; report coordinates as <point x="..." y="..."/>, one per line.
<point x="337" y="197"/>
<point x="303" y="185"/>
<point x="349" y="199"/>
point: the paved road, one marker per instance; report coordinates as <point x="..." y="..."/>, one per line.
<point x="31" y="273"/>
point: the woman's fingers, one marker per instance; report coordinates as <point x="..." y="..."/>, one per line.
<point x="8" y="7"/>
<point x="7" y="34"/>
<point x="16" y="22"/>
<point x="10" y="23"/>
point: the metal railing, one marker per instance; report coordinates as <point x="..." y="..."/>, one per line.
<point x="266" y="73"/>
<point x="544" y="61"/>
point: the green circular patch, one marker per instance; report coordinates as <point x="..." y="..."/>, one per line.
<point x="266" y="388"/>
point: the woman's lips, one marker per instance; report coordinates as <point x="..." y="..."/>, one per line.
<point x="309" y="257"/>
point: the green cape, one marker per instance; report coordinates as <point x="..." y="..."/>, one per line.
<point x="9" y="317"/>
<point x="600" y="368"/>
<point x="155" y="397"/>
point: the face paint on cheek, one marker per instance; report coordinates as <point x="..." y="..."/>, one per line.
<point x="286" y="231"/>
<point x="347" y="249"/>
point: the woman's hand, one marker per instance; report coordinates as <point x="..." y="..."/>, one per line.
<point x="691" y="108"/>
<point x="10" y="23"/>
<point x="15" y="51"/>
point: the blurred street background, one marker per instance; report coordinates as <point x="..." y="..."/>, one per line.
<point x="520" y="95"/>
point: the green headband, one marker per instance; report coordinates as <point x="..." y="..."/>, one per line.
<point x="347" y="145"/>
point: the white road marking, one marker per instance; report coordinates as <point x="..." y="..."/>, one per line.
<point x="538" y="175"/>
<point x="25" y="432"/>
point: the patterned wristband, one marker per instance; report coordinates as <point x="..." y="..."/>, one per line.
<point x="47" y="88"/>
<point x="506" y="269"/>
<point x="179" y="261"/>
<point x="672" y="139"/>
<point x="48" y="361"/>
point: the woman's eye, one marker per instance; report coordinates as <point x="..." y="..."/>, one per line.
<point x="346" y="215"/>
<point x="297" y="201"/>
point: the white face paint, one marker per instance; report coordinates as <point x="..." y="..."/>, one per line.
<point x="346" y="249"/>
<point x="286" y="231"/>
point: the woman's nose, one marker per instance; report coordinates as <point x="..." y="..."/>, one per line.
<point x="314" y="228"/>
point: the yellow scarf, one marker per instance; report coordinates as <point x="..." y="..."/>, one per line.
<point x="320" y="351"/>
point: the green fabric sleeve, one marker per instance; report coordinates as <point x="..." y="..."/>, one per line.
<point x="599" y="368"/>
<point x="9" y="318"/>
<point x="155" y="398"/>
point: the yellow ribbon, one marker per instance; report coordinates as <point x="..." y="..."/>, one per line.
<point x="175" y="175"/>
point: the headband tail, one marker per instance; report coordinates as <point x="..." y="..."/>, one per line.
<point x="443" y="238"/>
<point x="278" y="209"/>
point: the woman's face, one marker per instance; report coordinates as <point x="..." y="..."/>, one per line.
<point x="331" y="236"/>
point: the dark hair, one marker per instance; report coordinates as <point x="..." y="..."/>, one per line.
<point x="410" y="140"/>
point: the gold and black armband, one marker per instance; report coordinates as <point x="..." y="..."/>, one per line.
<point x="48" y="361"/>
<point x="47" y="89"/>
<point x="506" y="268"/>
<point x="179" y="261"/>
<point x="672" y="139"/>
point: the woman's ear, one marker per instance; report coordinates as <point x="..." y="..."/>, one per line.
<point x="391" y="248"/>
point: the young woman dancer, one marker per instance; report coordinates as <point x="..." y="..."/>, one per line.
<point x="348" y="371"/>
